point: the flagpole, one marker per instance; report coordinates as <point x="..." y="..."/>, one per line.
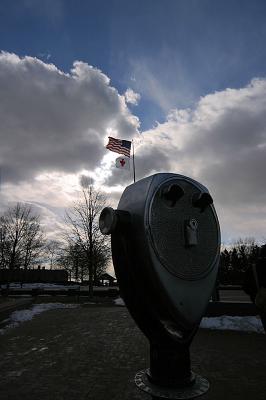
<point x="133" y="159"/>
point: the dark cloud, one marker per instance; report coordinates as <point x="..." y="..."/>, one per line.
<point x="52" y="121"/>
<point x="57" y="122"/>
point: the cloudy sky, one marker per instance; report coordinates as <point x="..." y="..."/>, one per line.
<point x="186" y="79"/>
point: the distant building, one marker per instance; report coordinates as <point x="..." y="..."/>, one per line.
<point x="106" y="279"/>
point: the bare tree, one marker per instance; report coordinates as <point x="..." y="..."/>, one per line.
<point x="53" y="252"/>
<point x="4" y="246"/>
<point x="21" y="237"/>
<point x="84" y="234"/>
<point x="236" y="259"/>
<point x="246" y="250"/>
<point x="101" y="256"/>
<point x="73" y="260"/>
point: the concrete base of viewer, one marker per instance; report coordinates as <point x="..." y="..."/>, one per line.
<point x="199" y="387"/>
<point x="94" y="353"/>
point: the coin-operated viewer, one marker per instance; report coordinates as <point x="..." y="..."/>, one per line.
<point x="165" y="246"/>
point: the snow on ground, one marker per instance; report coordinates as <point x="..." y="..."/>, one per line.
<point x="225" y="322"/>
<point x="119" y="302"/>
<point x="19" y="316"/>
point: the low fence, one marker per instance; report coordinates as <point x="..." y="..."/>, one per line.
<point x="109" y="292"/>
<point x="33" y="275"/>
<point x="80" y="291"/>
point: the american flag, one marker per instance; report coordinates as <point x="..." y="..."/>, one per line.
<point x="119" y="146"/>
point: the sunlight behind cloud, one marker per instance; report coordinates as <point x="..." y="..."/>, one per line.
<point x="62" y="124"/>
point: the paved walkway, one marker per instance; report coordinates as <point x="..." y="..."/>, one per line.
<point x="93" y="352"/>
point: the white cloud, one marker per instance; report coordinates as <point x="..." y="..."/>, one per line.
<point x="221" y="143"/>
<point x="54" y="121"/>
<point x="54" y="127"/>
<point x="131" y="97"/>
